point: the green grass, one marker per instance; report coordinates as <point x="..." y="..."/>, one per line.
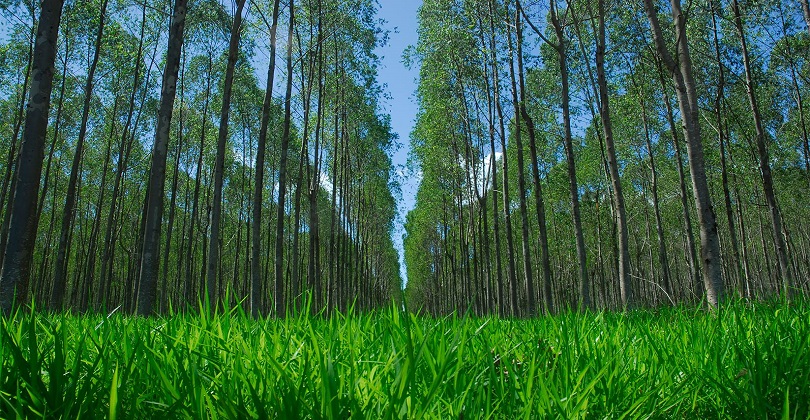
<point x="746" y="362"/>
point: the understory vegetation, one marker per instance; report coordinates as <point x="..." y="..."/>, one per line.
<point x="743" y="361"/>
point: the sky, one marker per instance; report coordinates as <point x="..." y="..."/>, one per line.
<point x="400" y="83"/>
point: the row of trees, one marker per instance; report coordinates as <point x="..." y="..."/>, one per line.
<point x="603" y="155"/>
<point x="148" y="167"/>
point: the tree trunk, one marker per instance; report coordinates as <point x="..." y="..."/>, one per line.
<point x="764" y="161"/>
<point x="219" y="165"/>
<point x="278" y="294"/>
<point x="540" y="208"/>
<point x="23" y="223"/>
<point x="625" y="286"/>
<point x="681" y="72"/>
<point x="157" y="171"/>
<point x="584" y="291"/>
<point x="531" y="304"/>
<point x="258" y="183"/>
<point x="69" y="210"/>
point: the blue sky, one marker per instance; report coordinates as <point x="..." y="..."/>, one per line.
<point x="400" y="17"/>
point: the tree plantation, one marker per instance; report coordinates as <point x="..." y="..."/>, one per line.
<point x="201" y="206"/>
<point x="587" y="154"/>
<point x="166" y="174"/>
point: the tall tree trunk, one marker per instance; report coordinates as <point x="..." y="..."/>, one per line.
<point x="764" y="161"/>
<point x="491" y="99"/>
<point x="313" y="271"/>
<point x="681" y="72"/>
<point x="258" y="183"/>
<point x="69" y="211"/>
<point x="531" y="304"/>
<point x="219" y="165"/>
<point x="625" y="286"/>
<point x="507" y="213"/>
<point x="540" y="207"/>
<point x="23" y="223"/>
<point x="278" y="294"/>
<point x="560" y="47"/>
<point x="157" y="171"/>
<point x="721" y="136"/>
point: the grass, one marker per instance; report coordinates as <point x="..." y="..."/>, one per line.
<point x="746" y="362"/>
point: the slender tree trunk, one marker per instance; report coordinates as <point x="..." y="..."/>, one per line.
<point x="531" y="304"/>
<point x="491" y="99"/>
<point x="764" y="161"/>
<point x="313" y="272"/>
<point x="584" y="291"/>
<point x="721" y="135"/>
<point x="258" y="183"/>
<point x="157" y="172"/>
<point x="625" y="286"/>
<point x="23" y="223"/>
<point x="69" y="210"/>
<point x="123" y="157"/>
<point x="219" y="165"/>
<point x="540" y="207"/>
<point x="278" y="295"/>
<point x="681" y="72"/>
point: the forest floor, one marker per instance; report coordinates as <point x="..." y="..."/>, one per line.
<point x="748" y="361"/>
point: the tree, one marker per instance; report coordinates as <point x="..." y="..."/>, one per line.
<point x="157" y="172"/>
<point x="680" y="70"/>
<point x="23" y="228"/>
<point x="219" y="165"/>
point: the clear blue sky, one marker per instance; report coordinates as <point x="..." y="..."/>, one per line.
<point x="400" y="17"/>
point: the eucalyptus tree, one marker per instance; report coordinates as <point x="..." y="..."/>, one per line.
<point x="278" y="291"/>
<point x="258" y="182"/>
<point x="157" y="173"/>
<point x="680" y="69"/>
<point x="23" y="223"/>
<point x="68" y="213"/>
<point x="764" y="157"/>
<point x="219" y="165"/>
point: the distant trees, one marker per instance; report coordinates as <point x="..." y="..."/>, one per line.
<point x="593" y="93"/>
<point x="221" y="178"/>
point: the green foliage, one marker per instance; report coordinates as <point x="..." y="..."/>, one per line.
<point x="743" y="362"/>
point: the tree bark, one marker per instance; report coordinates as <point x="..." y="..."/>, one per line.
<point x="764" y="161"/>
<point x="560" y="47"/>
<point x="681" y="72"/>
<point x="528" y="280"/>
<point x="625" y="286"/>
<point x="69" y="211"/>
<point x="23" y="223"/>
<point x="258" y="183"/>
<point x="278" y="294"/>
<point x="219" y="165"/>
<point x="157" y="172"/>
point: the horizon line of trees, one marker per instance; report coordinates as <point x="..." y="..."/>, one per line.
<point x="147" y="167"/>
<point x="597" y="154"/>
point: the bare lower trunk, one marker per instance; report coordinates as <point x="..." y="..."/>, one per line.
<point x="219" y="165"/>
<point x="157" y="172"/>
<point x="764" y="162"/>
<point x="23" y="223"/>
<point x="681" y="72"/>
